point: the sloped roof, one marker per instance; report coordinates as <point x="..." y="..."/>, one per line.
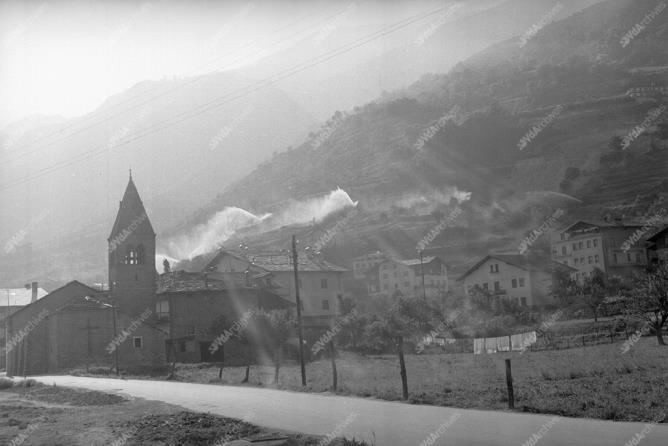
<point x="131" y="210"/>
<point x="277" y="261"/>
<point x="601" y="224"/>
<point x="414" y="262"/>
<point x="61" y="294"/>
<point x="184" y="281"/>
<point x="18" y="297"/>
<point x="283" y="262"/>
<point x="654" y="235"/>
<point x="520" y="261"/>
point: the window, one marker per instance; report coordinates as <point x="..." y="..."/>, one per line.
<point x="325" y="304"/>
<point x="182" y="346"/>
<point x="130" y="255"/>
<point x="590" y="259"/>
<point x="137" y="341"/>
<point x="562" y="236"/>
<point x="596" y="258"/>
<point x="408" y="284"/>
<point x="514" y="283"/>
<point x="638" y="258"/>
<point x="385" y="276"/>
<point x="521" y="282"/>
<point x="524" y="301"/>
<point x="563" y="251"/>
<point x="405" y="273"/>
<point x="396" y="286"/>
<point x="497" y="286"/>
<point x="494" y="268"/>
<point x="575" y="261"/>
<point x="628" y="257"/>
<point x="575" y="247"/>
<point x="190" y="331"/>
<point x="582" y="260"/>
<point x="485" y="286"/>
<point x="162" y="309"/>
<point x="579" y="245"/>
<point x="588" y="243"/>
<point x="595" y="243"/>
<point x="323" y="283"/>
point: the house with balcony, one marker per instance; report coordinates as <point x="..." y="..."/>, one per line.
<point x="587" y="245"/>
<point x="514" y="277"/>
<point x="404" y="277"/>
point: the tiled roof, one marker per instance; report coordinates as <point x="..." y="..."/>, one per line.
<point x="183" y="281"/>
<point x="278" y="261"/>
<point x="414" y="262"/>
<point x="520" y="261"/>
<point x="18" y="297"/>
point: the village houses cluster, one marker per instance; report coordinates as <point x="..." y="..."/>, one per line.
<point x="144" y="317"/>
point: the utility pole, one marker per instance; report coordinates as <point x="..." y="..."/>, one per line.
<point x="299" y="310"/>
<point x="424" y="292"/>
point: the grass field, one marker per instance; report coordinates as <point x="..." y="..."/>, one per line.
<point x="595" y="382"/>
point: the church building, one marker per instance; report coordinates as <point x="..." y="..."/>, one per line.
<point x="77" y="326"/>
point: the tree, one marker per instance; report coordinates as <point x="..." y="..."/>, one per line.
<point x="481" y="298"/>
<point x="406" y="318"/>
<point x="562" y="286"/>
<point x="647" y="300"/>
<point x="595" y="287"/>
<point x="219" y="327"/>
<point x="278" y="326"/>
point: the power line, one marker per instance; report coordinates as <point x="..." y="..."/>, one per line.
<point x="222" y="100"/>
<point x="155" y="89"/>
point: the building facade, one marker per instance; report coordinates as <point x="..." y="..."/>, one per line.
<point x="363" y="264"/>
<point x="320" y="282"/>
<point x="513" y="277"/>
<point x="586" y="246"/>
<point x="12" y="300"/>
<point x="189" y="304"/>
<point x="405" y="277"/>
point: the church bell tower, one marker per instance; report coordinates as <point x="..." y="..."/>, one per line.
<point x="132" y="273"/>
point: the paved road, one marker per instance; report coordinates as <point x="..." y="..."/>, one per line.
<point x="393" y="424"/>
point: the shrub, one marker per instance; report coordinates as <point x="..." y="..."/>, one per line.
<point x="6" y="383"/>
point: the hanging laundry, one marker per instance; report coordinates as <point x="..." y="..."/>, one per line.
<point x="478" y="346"/>
<point x="503" y="343"/>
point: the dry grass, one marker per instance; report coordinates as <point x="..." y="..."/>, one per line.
<point x="596" y="381"/>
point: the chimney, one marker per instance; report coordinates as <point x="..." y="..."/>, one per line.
<point x="34" y="292"/>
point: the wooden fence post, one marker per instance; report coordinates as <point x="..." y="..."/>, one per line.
<point x="509" y="384"/>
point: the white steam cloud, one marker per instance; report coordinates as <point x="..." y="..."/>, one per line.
<point x="224" y="224"/>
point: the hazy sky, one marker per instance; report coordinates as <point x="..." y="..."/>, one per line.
<point x="66" y="58"/>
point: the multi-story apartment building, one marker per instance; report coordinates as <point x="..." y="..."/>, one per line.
<point x="513" y="277"/>
<point x="587" y="245"/>
<point x="405" y="276"/>
<point x="362" y="264"/>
